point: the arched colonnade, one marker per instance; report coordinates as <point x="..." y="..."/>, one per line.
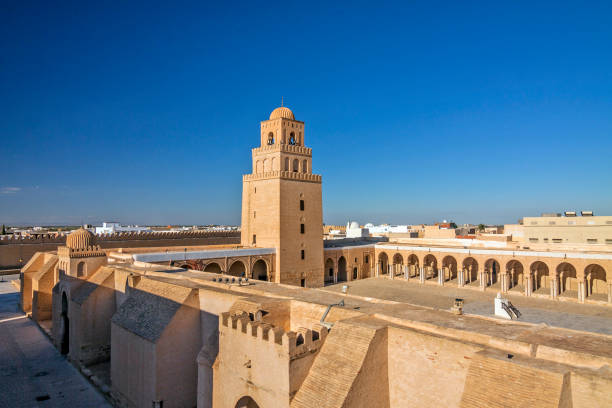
<point x="531" y="275"/>
<point x="252" y="267"/>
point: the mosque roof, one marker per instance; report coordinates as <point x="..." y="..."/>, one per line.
<point x="282" y="112"/>
<point x="149" y="309"/>
<point x="80" y="239"/>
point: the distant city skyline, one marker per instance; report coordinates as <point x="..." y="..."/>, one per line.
<point x="477" y="113"/>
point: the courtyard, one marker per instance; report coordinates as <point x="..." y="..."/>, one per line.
<point x="569" y="315"/>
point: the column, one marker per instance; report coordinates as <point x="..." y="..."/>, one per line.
<point x="561" y="288"/>
<point x="581" y="290"/>
<point x="482" y="280"/>
<point x="422" y="274"/>
<point x="609" y="292"/>
<point x="589" y="287"/>
<point x="461" y="278"/>
<point x="390" y="270"/>
<point x="335" y="276"/>
<point x="377" y="269"/>
<point x="406" y="272"/>
<point x="441" y="276"/>
<point x="553" y="287"/>
<point x="528" y="286"/>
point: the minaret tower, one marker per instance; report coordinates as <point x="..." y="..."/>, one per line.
<point x="281" y="202"/>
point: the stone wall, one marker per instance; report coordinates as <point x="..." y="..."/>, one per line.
<point x="16" y="252"/>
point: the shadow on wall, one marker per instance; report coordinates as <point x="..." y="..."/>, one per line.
<point x="155" y="338"/>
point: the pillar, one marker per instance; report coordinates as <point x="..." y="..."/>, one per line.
<point x="589" y="287"/>
<point x="390" y="270"/>
<point x="406" y="272"/>
<point x="561" y="288"/>
<point x="461" y="278"/>
<point x="554" y="291"/>
<point x="422" y="274"/>
<point x="529" y="285"/>
<point x="609" y="292"/>
<point x="441" y="276"/>
<point x="482" y="280"/>
<point x="581" y="290"/>
<point x="377" y="272"/>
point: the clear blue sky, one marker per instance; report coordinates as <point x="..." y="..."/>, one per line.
<point x="416" y="111"/>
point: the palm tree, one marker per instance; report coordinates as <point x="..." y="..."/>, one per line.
<point x="481" y="227"/>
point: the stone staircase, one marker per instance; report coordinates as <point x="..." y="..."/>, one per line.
<point x="336" y="368"/>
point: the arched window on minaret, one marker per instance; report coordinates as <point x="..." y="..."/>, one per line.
<point x="296" y="163"/>
<point x="292" y="138"/>
<point x="286" y="164"/>
<point x="270" y="138"/>
<point x="305" y="166"/>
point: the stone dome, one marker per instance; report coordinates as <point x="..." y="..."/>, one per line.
<point x="354" y="225"/>
<point x="282" y="112"/>
<point x="80" y="239"/>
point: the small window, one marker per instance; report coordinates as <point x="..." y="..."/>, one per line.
<point x="255" y="189"/>
<point x="354" y="273"/>
<point x="367" y="259"/>
<point x="302" y="254"/>
<point x="545" y="239"/>
<point x="303" y="283"/>
<point x="302" y="229"/>
<point x="301" y="205"/>
<point x="533" y="240"/>
<point x="292" y="138"/>
<point x="355" y="260"/>
<point x="592" y="240"/>
<point x="608" y="241"/>
<point x="557" y="240"/>
<point x="270" y="138"/>
<point x="254" y="239"/>
<point x="254" y="214"/>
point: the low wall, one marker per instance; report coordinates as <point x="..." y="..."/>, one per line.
<point x="16" y="252"/>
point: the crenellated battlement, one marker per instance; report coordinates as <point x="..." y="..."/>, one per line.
<point x="289" y="175"/>
<point x="294" y="344"/>
<point x="60" y="239"/>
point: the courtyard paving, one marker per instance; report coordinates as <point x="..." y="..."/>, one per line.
<point x="32" y="372"/>
<point x="569" y="315"/>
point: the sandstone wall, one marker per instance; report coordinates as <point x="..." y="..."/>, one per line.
<point x="13" y="250"/>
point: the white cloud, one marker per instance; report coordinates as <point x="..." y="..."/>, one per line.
<point x="9" y="190"/>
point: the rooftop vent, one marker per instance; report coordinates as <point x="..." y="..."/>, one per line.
<point x="570" y="213"/>
<point x="586" y="213"/>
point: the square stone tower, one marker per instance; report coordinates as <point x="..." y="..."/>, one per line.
<point x="282" y="204"/>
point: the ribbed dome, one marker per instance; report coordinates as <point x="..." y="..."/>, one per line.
<point x="282" y="112"/>
<point x="80" y="239"/>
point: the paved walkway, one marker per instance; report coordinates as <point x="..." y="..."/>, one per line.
<point x="32" y="371"/>
<point x="570" y="315"/>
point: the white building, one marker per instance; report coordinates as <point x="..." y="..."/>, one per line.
<point x="353" y="230"/>
<point x="113" y="227"/>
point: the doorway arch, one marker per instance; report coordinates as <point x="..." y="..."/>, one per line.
<point x="212" y="267"/>
<point x="342" y="269"/>
<point x="329" y="270"/>
<point x="260" y="270"/>
<point x="246" y="402"/>
<point x="65" y="343"/>
<point x="383" y="263"/>
<point x="237" y="269"/>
